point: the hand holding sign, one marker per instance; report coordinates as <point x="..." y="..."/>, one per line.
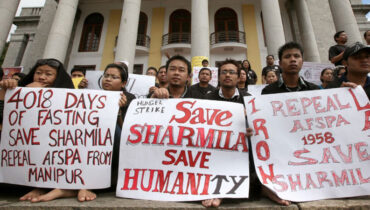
<point x="312" y="145"/>
<point x="186" y="148"/>
<point x="55" y="138"/>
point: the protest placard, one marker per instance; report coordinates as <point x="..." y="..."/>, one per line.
<point x="136" y="84"/>
<point x="255" y="90"/>
<point x="139" y="85"/>
<point x="58" y="138"/>
<point x="312" y="145"/>
<point x="311" y="71"/>
<point x="197" y="60"/>
<point x="9" y="71"/>
<point x="182" y="150"/>
<point x="214" y="80"/>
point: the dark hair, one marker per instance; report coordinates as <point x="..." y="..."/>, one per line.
<point x="1" y="73"/>
<point x="122" y="68"/>
<point x="271" y="56"/>
<point x="246" y="74"/>
<point x="338" y="68"/>
<point x="365" y="33"/>
<point x="271" y="70"/>
<point x="20" y="75"/>
<point x="249" y="64"/>
<point x="161" y="67"/>
<point x="82" y="70"/>
<point x="152" y="68"/>
<point x="203" y="69"/>
<point x="62" y="80"/>
<point x="228" y="61"/>
<point x="336" y="35"/>
<point x="204" y="60"/>
<point x="323" y="72"/>
<point x="289" y="46"/>
<point x="181" y="58"/>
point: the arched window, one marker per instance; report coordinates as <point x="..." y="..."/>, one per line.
<point x="226" y="25"/>
<point x="180" y="26"/>
<point x="143" y="23"/>
<point x="141" y="31"/>
<point x="91" y="33"/>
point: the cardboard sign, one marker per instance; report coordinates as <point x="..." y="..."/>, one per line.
<point x="312" y="145"/>
<point x="58" y="138"/>
<point x="214" y="80"/>
<point x="182" y="150"/>
<point x="138" y="85"/>
<point x="255" y="90"/>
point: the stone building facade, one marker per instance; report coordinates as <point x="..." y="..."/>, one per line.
<point x="93" y="33"/>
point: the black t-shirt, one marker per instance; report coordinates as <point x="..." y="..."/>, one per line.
<point x="336" y="83"/>
<point x="214" y="95"/>
<point x="336" y="50"/>
<point x="279" y="87"/>
<point x="251" y="77"/>
<point x="186" y="94"/>
<point x="200" y="92"/>
<point x="129" y="97"/>
<point x="244" y="91"/>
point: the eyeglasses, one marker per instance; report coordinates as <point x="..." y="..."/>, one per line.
<point x="231" y="72"/>
<point x="106" y="76"/>
<point x="50" y="62"/>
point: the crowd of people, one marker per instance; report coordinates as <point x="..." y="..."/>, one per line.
<point x="173" y="82"/>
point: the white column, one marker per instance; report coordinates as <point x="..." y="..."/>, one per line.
<point x="274" y="31"/>
<point x="126" y="45"/>
<point x="8" y="8"/>
<point x="345" y="20"/>
<point x="306" y="31"/>
<point x="199" y="28"/>
<point x="60" y="32"/>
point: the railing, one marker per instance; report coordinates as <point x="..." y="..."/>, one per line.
<point x="227" y="36"/>
<point x="31" y="11"/>
<point x="176" y="38"/>
<point x="143" y="40"/>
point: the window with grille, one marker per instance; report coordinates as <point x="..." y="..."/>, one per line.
<point x="91" y="33"/>
<point x="226" y="25"/>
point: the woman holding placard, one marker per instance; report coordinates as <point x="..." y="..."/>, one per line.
<point x="46" y="73"/>
<point x="115" y="79"/>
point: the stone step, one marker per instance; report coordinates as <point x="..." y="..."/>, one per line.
<point x="109" y="201"/>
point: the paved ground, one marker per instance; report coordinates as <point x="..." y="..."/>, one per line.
<point x="106" y="200"/>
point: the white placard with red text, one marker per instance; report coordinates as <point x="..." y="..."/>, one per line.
<point x="182" y="150"/>
<point x="214" y="80"/>
<point x="58" y="138"/>
<point x="312" y="145"/>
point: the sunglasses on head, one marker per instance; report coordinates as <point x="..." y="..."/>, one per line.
<point x="50" y="62"/>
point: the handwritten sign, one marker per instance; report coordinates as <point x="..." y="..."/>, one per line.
<point x="138" y="85"/>
<point x="58" y="138"/>
<point x="214" y="80"/>
<point x="312" y="145"/>
<point x="182" y="150"/>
